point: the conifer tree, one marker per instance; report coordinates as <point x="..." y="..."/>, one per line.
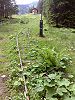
<point x="7" y="8"/>
<point x="62" y="12"/>
<point x="40" y="6"/>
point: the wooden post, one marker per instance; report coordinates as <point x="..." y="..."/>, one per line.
<point x="41" y="27"/>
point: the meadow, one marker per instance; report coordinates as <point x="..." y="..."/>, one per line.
<point x="61" y="40"/>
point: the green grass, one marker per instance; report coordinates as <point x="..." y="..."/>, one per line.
<point x="61" y="39"/>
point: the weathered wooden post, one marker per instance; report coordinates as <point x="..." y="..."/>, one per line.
<point x="41" y="23"/>
<point x="41" y="27"/>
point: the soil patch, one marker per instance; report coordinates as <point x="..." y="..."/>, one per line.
<point x="3" y="88"/>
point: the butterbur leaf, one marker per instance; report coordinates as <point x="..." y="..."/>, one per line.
<point x="51" y="85"/>
<point x="17" y="83"/>
<point x="61" y="90"/>
<point x="72" y="88"/>
<point x="50" y="92"/>
<point x="61" y="63"/>
<point x="64" y="67"/>
<point x="39" y="81"/>
<point x="52" y="99"/>
<point x="70" y="98"/>
<point x="74" y="92"/>
<point x="64" y="90"/>
<point x="46" y="83"/>
<point x="35" y="66"/>
<point x="64" y="82"/>
<point x="42" y="74"/>
<point x="52" y="76"/>
<point x="70" y="76"/>
<point x="57" y="78"/>
<point x="39" y="88"/>
<point x="48" y="80"/>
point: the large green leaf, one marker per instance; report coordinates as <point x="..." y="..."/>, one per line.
<point x="46" y="83"/>
<point x="17" y="83"/>
<point x="64" y="82"/>
<point x="61" y="90"/>
<point x="69" y="98"/>
<point x="49" y="83"/>
<point x="52" y="76"/>
<point x="39" y="88"/>
<point x="53" y="99"/>
<point x="50" y="92"/>
<point x="72" y="88"/>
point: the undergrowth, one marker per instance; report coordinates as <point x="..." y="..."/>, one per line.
<point x="45" y="60"/>
<point x="46" y="76"/>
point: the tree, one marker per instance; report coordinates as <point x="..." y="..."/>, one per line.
<point x="7" y="8"/>
<point x="46" y="10"/>
<point x="40" y="6"/>
<point x="62" y="12"/>
<point x="1" y="8"/>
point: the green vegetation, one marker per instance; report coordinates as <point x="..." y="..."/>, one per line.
<point x="47" y="78"/>
<point x="7" y="8"/>
<point x="45" y="60"/>
<point x="61" y="12"/>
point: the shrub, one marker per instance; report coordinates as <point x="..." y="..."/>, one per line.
<point x="48" y="79"/>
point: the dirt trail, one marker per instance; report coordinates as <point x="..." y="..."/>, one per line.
<point x="3" y="88"/>
<point x="3" y="66"/>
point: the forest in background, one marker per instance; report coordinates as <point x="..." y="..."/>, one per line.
<point x="60" y="12"/>
<point x="7" y="8"/>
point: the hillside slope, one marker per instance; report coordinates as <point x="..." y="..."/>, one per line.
<point x="26" y="27"/>
<point x="23" y="9"/>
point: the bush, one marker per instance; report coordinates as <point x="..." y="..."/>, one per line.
<point x="48" y="79"/>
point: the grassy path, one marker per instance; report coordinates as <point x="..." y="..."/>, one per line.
<point x="8" y="29"/>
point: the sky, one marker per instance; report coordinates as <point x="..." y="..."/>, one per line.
<point x="24" y="1"/>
